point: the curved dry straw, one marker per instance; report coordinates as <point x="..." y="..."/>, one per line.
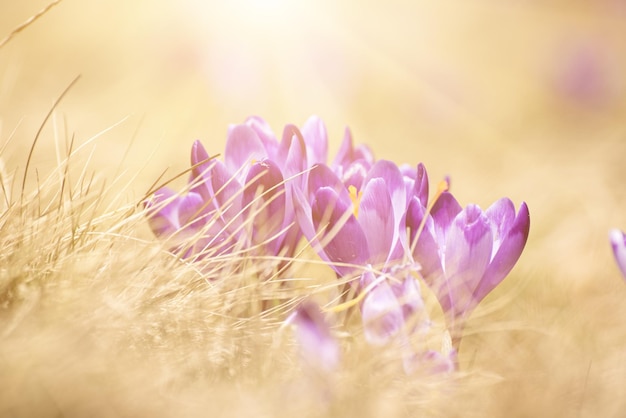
<point x="32" y="19"/>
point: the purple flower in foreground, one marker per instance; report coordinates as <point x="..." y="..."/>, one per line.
<point x="394" y="312"/>
<point x="466" y="253"/>
<point x="390" y="309"/>
<point x="439" y="363"/>
<point x="318" y="348"/>
<point x="618" y="242"/>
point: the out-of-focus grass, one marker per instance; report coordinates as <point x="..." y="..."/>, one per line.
<point x="520" y="100"/>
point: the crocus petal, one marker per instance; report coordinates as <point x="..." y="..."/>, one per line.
<point x="363" y="152"/>
<point x="292" y="154"/>
<point x="511" y="246"/>
<point x="290" y="238"/>
<point x="201" y="172"/>
<point x="444" y="211"/>
<point x="227" y="194"/>
<point x="416" y="185"/>
<point x="317" y="346"/>
<point x="199" y="155"/>
<point x="190" y="211"/>
<point x="501" y="216"/>
<point x="382" y="315"/>
<point x="215" y="239"/>
<point x="304" y="218"/>
<point x="355" y="173"/>
<point x="410" y="300"/>
<point x="348" y="153"/>
<point x="408" y="171"/>
<point x="420" y="186"/>
<point x="265" y="181"/>
<point x="200" y="180"/>
<point x="345" y="153"/>
<point x="322" y="176"/>
<point x="394" y="181"/>
<point x="348" y="243"/>
<point x="434" y="362"/>
<point x="243" y="147"/>
<point x="408" y="175"/>
<point x="400" y="250"/>
<point x="348" y="167"/>
<point x="618" y="242"/>
<point x="316" y="139"/>
<point x="201" y="168"/>
<point x="377" y="221"/>
<point x="469" y="242"/>
<point x="265" y="189"/>
<point x="265" y="134"/>
<point x="163" y="212"/>
<point x="426" y="251"/>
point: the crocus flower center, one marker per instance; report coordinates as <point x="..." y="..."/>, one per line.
<point x="355" y="197"/>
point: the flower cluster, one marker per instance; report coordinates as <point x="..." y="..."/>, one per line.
<point x="244" y="202"/>
<point x="371" y="221"/>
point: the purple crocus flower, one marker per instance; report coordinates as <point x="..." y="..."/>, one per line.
<point x="313" y="134"/>
<point x="390" y="309"/>
<point x="358" y="233"/>
<point x="618" y="242"/>
<point x="351" y="227"/>
<point x="465" y="253"/>
<point x="393" y="312"/>
<point x="244" y="201"/>
<point x="318" y="348"/>
<point x="171" y="216"/>
<point x="351" y="163"/>
<point x="436" y="362"/>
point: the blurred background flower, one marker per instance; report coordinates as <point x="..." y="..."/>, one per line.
<point x="618" y="243"/>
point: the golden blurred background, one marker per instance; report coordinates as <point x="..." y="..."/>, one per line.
<point x="523" y="99"/>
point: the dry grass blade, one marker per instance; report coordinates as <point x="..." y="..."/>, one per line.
<point x="41" y="126"/>
<point x="28" y="22"/>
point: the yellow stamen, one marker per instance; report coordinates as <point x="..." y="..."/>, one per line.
<point x="355" y="197"/>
